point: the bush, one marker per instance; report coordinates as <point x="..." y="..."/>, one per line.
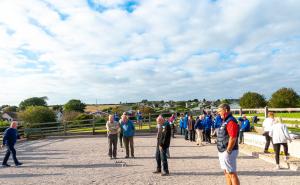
<point x="37" y="114"/>
<point x="70" y="115"/>
<point x="284" y="98"/>
<point x="252" y="100"/>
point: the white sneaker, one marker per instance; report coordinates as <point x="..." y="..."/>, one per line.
<point x="285" y="158"/>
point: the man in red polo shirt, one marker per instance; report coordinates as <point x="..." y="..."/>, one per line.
<point x="228" y="145"/>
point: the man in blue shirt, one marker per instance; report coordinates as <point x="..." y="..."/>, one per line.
<point x="245" y="127"/>
<point x="10" y="137"/>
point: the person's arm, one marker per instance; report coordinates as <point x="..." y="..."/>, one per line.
<point x="232" y="129"/>
<point x="286" y="133"/>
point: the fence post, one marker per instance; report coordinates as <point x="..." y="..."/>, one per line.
<point x="266" y="111"/>
<point x="93" y="121"/>
<point x="241" y="112"/>
<point x="65" y="128"/>
<point x="149" y="122"/>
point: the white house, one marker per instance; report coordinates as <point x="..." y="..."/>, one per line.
<point x="9" y="116"/>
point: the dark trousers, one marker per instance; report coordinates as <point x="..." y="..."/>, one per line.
<point x="186" y="134"/>
<point x="241" y="136"/>
<point x="173" y="130"/>
<point x="10" y="149"/>
<point x="207" y="135"/>
<point x="112" y="145"/>
<point x="129" y="141"/>
<point x="161" y="157"/>
<point x="181" y="131"/>
<point x="268" y="140"/>
<point x="121" y="139"/>
<point x="192" y="135"/>
<point x="277" y="150"/>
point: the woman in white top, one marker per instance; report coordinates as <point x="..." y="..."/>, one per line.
<point x="280" y="136"/>
<point x="267" y="125"/>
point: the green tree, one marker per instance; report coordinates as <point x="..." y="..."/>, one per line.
<point x="74" y="105"/>
<point x="252" y="100"/>
<point x="225" y="101"/>
<point x="284" y="98"/>
<point x="10" y="109"/>
<point x="37" y="114"/>
<point x="34" y="101"/>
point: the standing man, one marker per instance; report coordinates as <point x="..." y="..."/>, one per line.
<point x="139" y="119"/>
<point x="207" y="127"/>
<point x="245" y="127"/>
<point x="227" y="144"/>
<point x="10" y="137"/>
<point x="112" y="128"/>
<point x="185" y="126"/>
<point x="163" y="144"/>
<point x="268" y="125"/>
<point x="128" y="132"/>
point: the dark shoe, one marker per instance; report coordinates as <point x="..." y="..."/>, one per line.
<point x="165" y="174"/>
<point x="157" y="171"/>
<point x="266" y="152"/>
<point x="19" y="164"/>
<point x="5" y="165"/>
<point x="115" y="157"/>
<point x="126" y="156"/>
<point x="132" y="157"/>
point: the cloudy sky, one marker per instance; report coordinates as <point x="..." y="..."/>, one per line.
<point x="129" y="50"/>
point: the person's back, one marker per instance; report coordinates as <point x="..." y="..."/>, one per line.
<point x="279" y="133"/>
<point x="10" y="136"/>
<point x="218" y="121"/>
<point x="267" y="124"/>
<point x="245" y="125"/>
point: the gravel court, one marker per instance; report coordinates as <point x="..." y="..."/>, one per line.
<point x="85" y="161"/>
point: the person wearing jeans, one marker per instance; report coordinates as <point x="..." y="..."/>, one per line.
<point x="112" y="127"/>
<point x="280" y="136"/>
<point x="128" y="130"/>
<point x="267" y="126"/>
<point x="10" y="137"/>
<point x="163" y="143"/>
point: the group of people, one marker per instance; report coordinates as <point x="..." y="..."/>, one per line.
<point x="226" y="128"/>
<point x="206" y="126"/>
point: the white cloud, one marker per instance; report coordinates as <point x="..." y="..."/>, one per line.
<point x="162" y="50"/>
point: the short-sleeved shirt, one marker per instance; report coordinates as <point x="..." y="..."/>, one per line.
<point x="232" y="129"/>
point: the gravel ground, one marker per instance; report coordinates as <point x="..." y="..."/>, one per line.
<point x="85" y="161"/>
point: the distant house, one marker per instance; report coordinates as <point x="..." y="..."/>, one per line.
<point x="9" y="116"/>
<point x="166" y="106"/>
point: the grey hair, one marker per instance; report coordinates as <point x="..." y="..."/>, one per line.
<point x="224" y="106"/>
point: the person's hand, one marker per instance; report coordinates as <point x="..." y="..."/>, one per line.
<point x="1" y="146"/>
<point x="160" y="148"/>
<point x="290" y="140"/>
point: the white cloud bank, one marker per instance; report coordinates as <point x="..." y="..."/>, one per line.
<point x="150" y="49"/>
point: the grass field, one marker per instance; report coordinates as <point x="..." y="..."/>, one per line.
<point x="279" y="114"/>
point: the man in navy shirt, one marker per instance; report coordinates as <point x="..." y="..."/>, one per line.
<point x="10" y="137"/>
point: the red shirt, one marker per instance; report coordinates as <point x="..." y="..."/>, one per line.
<point x="232" y="129"/>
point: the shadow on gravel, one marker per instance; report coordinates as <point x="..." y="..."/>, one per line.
<point x="241" y="173"/>
<point x="26" y="175"/>
<point x="105" y="165"/>
<point x="182" y="157"/>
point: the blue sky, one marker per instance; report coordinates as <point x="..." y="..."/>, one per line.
<point x="129" y="50"/>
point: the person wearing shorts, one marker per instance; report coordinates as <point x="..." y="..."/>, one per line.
<point x="227" y="144"/>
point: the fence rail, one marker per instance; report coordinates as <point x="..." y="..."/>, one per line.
<point x="90" y="126"/>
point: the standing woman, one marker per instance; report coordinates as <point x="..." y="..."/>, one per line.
<point x="280" y="135"/>
<point x="112" y="127"/>
<point x="172" y="124"/>
<point x="267" y="125"/>
<point x="128" y="133"/>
